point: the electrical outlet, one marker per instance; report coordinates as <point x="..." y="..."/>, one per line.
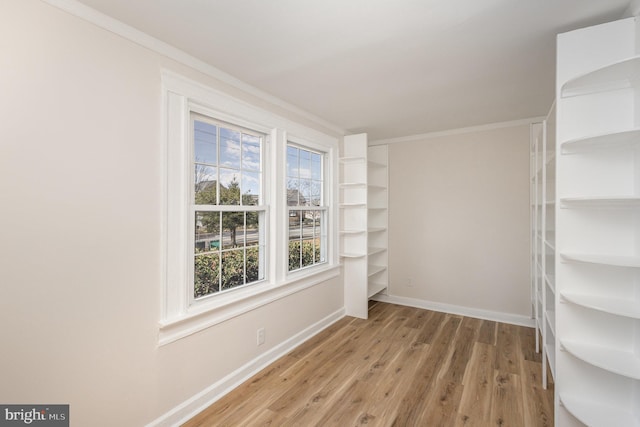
<point x="260" y="335"/>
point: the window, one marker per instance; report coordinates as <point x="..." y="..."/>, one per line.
<point x="228" y="208"/>
<point x="305" y="204"/>
<point x="227" y="229"/>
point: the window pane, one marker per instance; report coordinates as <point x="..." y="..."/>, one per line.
<point x="207" y="236"/>
<point x="204" y="142"/>
<point x="292" y="162"/>
<point x="293" y="193"/>
<point x="232" y="229"/>
<point x="206" y="274"/>
<point x="316" y="166"/>
<point x="305" y="164"/>
<point x="253" y="228"/>
<point x="307" y="252"/>
<point x="305" y="192"/>
<point x="294" y="255"/>
<point x="316" y="193"/>
<point x="205" y="183"/>
<point x="253" y="264"/>
<point x="250" y="188"/>
<point x="232" y="269"/>
<point x="229" y="186"/>
<point x="250" y="152"/>
<point x="229" y="148"/>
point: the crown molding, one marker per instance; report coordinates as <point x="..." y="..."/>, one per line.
<point x="459" y="131"/>
<point x="143" y="39"/>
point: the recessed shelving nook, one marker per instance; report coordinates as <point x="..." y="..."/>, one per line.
<point x="598" y="226"/>
<point x="363" y="222"/>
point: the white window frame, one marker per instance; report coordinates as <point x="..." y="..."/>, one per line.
<point x="310" y="146"/>
<point x="180" y="314"/>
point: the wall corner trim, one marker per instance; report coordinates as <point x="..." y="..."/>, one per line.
<point x="194" y="405"/>
<point x="513" y="319"/>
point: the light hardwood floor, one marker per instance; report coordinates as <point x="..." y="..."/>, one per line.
<point x="402" y="367"/>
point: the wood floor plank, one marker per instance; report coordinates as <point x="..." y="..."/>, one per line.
<point x="538" y="407"/>
<point x="508" y="350"/>
<point x="528" y="344"/>
<point x="487" y="333"/>
<point x="506" y="404"/>
<point x="475" y="402"/>
<point x="403" y="366"/>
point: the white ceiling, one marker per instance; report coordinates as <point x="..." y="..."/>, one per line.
<point x="390" y="68"/>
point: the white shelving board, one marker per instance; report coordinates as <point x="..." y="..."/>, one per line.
<point x="597" y="278"/>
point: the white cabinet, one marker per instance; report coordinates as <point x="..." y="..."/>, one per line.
<point x="363" y="222"/>
<point x="598" y="226"/>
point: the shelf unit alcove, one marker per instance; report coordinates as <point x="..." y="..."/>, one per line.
<point x="363" y="222"/>
<point x="598" y="226"/>
<point x="543" y="183"/>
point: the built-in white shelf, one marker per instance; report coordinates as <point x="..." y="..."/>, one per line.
<point x="353" y="185"/>
<point x="604" y="140"/>
<point x="550" y="280"/>
<point x="353" y="159"/>
<point x="551" y="320"/>
<point x="376" y="165"/>
<point x="626" y="307"/>
<point x="352" y="255"/>
<point x="363" y="203"/>
<point x="620" y="362"/>
<point x="377" y="187"/>
<point x="600" y="201"/>
<point x="376" y="229"/>
<point x="596" y="414"/>
<point x="353" y="205"/>
<point x="372" y="251"/>
<point x="550" y="348"/>
<point x="617" y="75"/>
<point x="375" y="269"/>
<point x="353" y="231"/>
<point x="375" y="288"/>
<point x="550" y="244"/>
<point x="613" y="260"/>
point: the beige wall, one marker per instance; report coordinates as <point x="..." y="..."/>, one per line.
<point x="80" y="170"/>
<point x="459" y="220"/>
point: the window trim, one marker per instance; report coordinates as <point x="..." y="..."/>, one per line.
<point x="180" y="97"/>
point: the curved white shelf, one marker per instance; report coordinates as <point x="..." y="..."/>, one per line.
<point x="600" y="201"/>
<point x="596" y="414"/>
<point x="352" y="255"/>
<point x="618" y="75"/>
<point x="613" y="260"/>
<point x="624" y="363"/>
<point x="621" y="307"/>
<point x="604" y="140"/>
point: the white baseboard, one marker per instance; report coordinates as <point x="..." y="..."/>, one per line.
<point x="496" y="316"/>
<point x="196" y="404"/>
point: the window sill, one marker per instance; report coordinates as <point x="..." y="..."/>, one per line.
<point x="218" y="310"/>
